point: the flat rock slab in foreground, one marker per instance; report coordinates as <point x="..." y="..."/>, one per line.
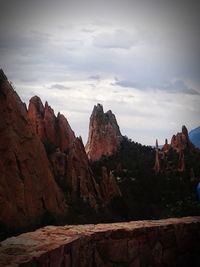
<point x="170" y="242"/>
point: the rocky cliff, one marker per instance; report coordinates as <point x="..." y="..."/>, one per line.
<point x="66" y="153"/>
<point x="28" y="190"/>
<point x="68" y="159"/>
<point x="108" y="186"/>
<point x="45" y="170"/>
<point x="180" y="146"/>
<point x="104" y="134"/>
<point x="51" y="129"/>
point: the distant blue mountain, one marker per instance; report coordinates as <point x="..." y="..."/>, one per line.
<point x="194" y="136"/>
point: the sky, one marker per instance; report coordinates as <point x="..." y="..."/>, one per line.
<point x="141" y="59"/>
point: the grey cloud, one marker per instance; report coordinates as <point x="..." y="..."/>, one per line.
<point x="177" y="86"/>
<point x="94" y="77"/>
<point x="60" y="87"/>
<point x="126" y="83"/>
<point x="29" y="80"/>
<point x="72" y="44"/>
<point x="87" y="30"/>
<point x="15" y="41"/>
<point x="118" y="39"/>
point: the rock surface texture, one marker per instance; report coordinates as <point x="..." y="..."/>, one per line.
<point x="170" y="242"/>
<point x="67" y="156"/>
<point x="50" y="129"/>
<point x="43" y="165"/>
<point x="180" y="144"/>
<point x="66" y="153"/>
<point x="104" y="134"/>
<point x="27" y="188"/>
<point x="108" y="186"/>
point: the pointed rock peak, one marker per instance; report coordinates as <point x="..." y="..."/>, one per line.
<point x="184" y="130"/>
<point x="157" y="143"/>
<point x="61" y="117"/>
<point x="3" y="76"/>
<point x="35" y="99"/>
<point x="98" y="107"/>
<point x="49" y="111"/>
<point x="109" y="112"/>
<point x="97" y="110"/>
<point x="166" y="141"/>
<point x="104" y="134"/>
<point x="111" y="117"/>
<point x="36" y="103"/>
<point x="46" y="104"/>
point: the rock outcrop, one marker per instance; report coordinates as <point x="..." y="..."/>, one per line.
<point x="43" y="166"/>
<point x="170" y="242"/>
<point x="108" y="186"/>
<point x="66" y="153"/>
<point x="28" y="190"/>
<point x="180" y="144"/>
<point x="104" y="134"/>
<point x="50" y="129"/>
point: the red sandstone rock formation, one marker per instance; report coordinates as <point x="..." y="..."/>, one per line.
<point x="73" y="173"/>
<point x="169" y="242"/>
<point x="108" y="186"/>
<point x="180" y="143"/>
<point x="29" y="175"/>
<point x="27" y="187"/>
<point x="50" y="128"/>
<point x="69" y="162"/>
<point x="104" y="134"/>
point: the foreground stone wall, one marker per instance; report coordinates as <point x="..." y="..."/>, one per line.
<point x="170" y="242"/>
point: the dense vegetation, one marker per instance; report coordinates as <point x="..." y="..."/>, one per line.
<point x="147" y="195"/>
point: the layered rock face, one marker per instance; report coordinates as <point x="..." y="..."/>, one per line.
<point x="66" y="153"/>
<point x="108" y="186"/>
<point x="170" y="242"/>
<point x="50" y="129"/>
<point x="27" y="187"/>
<point x="39" y="178"/>
<point x="180" y="144"/>
<point x="104" y="134"/>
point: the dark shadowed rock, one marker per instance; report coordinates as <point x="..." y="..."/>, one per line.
<point x="108" y="186"/>
<point x="27" y="187"/>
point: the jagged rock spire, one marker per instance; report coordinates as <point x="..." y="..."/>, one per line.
<point x="104" y="134"/>
<point x="181" y="144"/>
<point x="156" y="143"/>
<point x="184" y="130"/>
<point x="3" y="76"/>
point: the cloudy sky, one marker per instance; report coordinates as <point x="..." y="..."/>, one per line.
<point x="141" y="59"/>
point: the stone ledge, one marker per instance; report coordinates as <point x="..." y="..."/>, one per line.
<point x="169" y="242"/>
